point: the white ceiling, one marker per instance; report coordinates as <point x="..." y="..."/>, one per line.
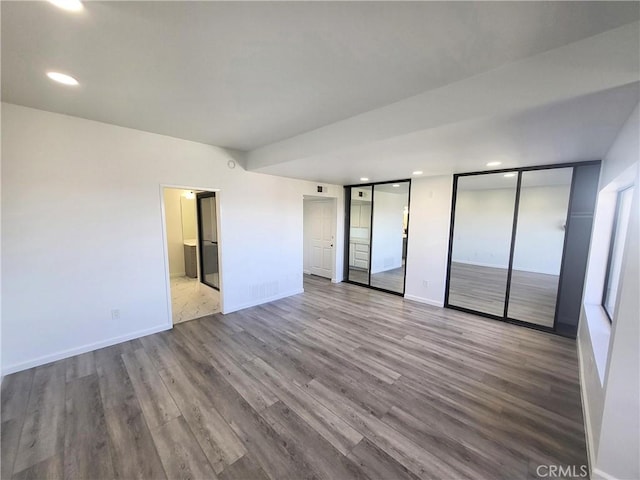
<point x="286" y="81"/>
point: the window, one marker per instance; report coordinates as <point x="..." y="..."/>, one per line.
<point x="614" y="266"/>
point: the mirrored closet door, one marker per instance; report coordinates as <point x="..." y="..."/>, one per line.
<point x="376" y="247"/>
<point x="482" y="242"/>
<point x="508" y="243"/>
<point x="539" y="243"/>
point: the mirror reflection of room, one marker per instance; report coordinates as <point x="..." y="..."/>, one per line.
<point x="537" y="257"/>
<point x="483" y="232"/>
<point x="360" y="234"/>
<point x="482" y="242"/>
<point x="389" y="239"/>
<point x="189" y="298"/>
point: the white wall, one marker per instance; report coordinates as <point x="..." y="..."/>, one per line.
<point x="484" y="221"/>
<point x="609" y="355"/>
<point x="173" y="220"/>
<point x="388" y="216"/>
<point x="82" y="232"/>
<point x="483" y="227"/>
<point x="540" y="233"/>
<point x="189" y="217"/>
<point x="428" y="243"/>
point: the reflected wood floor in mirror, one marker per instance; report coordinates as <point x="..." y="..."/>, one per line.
<point x="533" y="295"/>
<point x="389" y="280"/>
<point x="359" y="275"/>
<point x="339" y="382"/>
<point x="392" y="280"/>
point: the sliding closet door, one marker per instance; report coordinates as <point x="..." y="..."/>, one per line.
<point x="389" y="236"/>
<point x="519" y="244"/>
<point x="483" y="226"/>
<point x="360" y="234"/>
<point x="376" y="240"/>
<point x="539" y="244"/>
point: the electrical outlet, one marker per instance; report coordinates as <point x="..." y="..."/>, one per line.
<point x="425" y="283"/>
<point x="115" y="314"/>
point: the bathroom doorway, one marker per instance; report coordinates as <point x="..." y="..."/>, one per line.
<point x="193" y="294"/>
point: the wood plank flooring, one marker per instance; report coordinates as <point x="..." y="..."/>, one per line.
<point x="532" y="298"/>
<point x="340" y="382"/>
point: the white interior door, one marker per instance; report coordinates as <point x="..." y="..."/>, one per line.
<point x="320" y="241"/>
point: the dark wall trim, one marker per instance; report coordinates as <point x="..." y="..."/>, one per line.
<point x="567" y="223"/>
<point x="454" y="197"/>
<point x="347" y="226"/>
<point x="512" y="248"/>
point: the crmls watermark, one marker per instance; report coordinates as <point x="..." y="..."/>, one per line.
<point x="562" y="471"/>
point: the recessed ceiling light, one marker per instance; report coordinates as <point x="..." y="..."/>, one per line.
<point x="509" y="175"/>
<point x="493" y="164"/>
<point x="62" y="78"/>
<point x="417" y="172"/>
<point x="70" y="5"/>
<point x="364" y="179"/>
<point x="396" y="185"/>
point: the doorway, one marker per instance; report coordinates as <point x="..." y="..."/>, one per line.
<point x="192" y="294"/>
<point x="319" y="236"/>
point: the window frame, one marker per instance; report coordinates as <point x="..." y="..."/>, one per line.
<point x="612" y="244"/>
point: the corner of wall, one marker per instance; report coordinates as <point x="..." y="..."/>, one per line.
<point x="427" y="301"/>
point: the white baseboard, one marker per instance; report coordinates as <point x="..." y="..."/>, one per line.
<point x="17" y="367"/>
<point x="428" y="301"/>
<point x="263" y="300"/>
<point x="588" y="433"/>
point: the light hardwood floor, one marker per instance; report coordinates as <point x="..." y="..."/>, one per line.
<point x="532" y="298"/>
<point x="337" y="383"/>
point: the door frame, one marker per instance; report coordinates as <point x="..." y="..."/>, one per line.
<point x="334" y="233"/>
<point x="200" y="250"/>
<point x="165" y="249"/>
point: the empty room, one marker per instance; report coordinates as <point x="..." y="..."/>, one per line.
<point x="320" y="240"/>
